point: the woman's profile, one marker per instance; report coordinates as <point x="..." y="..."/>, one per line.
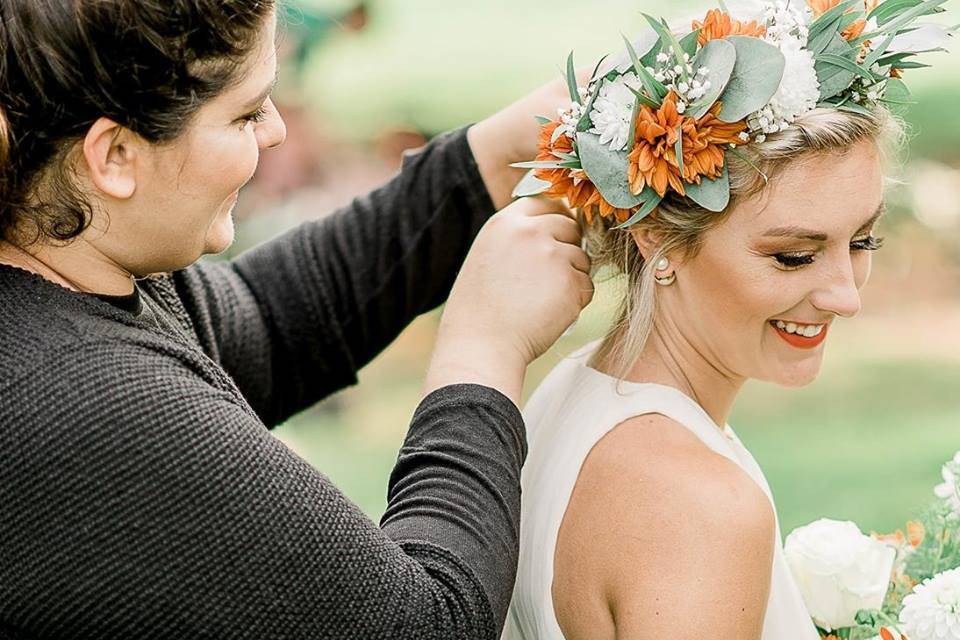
<point x="142" y="494"/>
<point x="742" y="214"/>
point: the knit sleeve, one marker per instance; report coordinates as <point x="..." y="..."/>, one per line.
<point x="295" y="318"/>
<point x="150" y="502"/>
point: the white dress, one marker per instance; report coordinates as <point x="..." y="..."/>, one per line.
<point x="567" y="415"/>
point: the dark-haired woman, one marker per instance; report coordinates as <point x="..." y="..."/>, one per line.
<point x="141" y="493"/>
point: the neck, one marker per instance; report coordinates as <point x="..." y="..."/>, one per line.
<point x="670" y="359"/>
<point x="77" y="266"/>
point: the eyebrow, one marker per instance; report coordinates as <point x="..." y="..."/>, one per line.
<point x="256" y="102"/>
<point x="819" y="236"/>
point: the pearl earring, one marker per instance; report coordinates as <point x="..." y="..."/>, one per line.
<point x="662" y="265"/>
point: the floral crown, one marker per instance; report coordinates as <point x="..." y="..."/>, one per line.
<point x="665" y="119"/>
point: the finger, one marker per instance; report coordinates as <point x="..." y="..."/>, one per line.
<point x="539" y="206"/>
<point x="585" y="288"/>
<point x="576" y="257"/>
<point x="563" y="228"/>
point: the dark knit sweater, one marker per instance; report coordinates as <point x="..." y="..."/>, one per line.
<point x="142" y="495"/>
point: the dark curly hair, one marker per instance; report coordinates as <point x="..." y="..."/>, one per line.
<point x="148" y="65"/>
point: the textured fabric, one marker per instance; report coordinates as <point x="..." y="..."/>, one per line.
<point x="143" y="496"/>
<point x="567" y="415"/>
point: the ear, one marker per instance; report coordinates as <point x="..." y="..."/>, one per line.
<point x="111" y="158"/>
<point x="646" y="240"/>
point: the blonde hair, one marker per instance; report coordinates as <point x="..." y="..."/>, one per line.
<point x="679" y="225"/>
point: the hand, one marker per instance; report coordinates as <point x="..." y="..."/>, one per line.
<point x="511" y="135"/>
<point x="523" y="283"/>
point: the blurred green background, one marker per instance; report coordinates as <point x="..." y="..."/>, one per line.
<point x="363" y="82"/>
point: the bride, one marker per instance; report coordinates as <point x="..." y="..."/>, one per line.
<point x="643" y="514"/>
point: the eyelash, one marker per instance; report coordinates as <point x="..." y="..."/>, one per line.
<point x="796" y="260"/>
<point x="257" y="116"/>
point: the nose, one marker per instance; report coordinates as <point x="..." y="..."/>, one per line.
<point x="839" y="293"/>
<point x="273" y="131"/>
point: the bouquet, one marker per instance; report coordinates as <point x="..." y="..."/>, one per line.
<point x="898" y="586"/>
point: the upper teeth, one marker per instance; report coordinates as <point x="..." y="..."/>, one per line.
<point x="806" y="330"/>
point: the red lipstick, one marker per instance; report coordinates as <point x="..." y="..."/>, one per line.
<point x="799" y="341"/>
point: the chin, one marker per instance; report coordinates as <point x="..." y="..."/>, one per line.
<point x="220" y="236"/>
<point x="797" y="375"/>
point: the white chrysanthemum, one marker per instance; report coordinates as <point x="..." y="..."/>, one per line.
<point x="799" y="90"/>
<point x="612" y="110"/>
<point x="950" y="489"/>
<point x="932" y="610"/>
<point x="798" y="93"/>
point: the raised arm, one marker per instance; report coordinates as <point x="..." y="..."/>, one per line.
<point x="185" y="518"/>
<point x="663" y="538"/>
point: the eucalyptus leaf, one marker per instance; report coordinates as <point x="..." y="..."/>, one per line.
<point x="572" y="80"/>
<point x="651" y="200"/>
<point x="654" y="87"/>
<point x="607" y="170"/>
<point x="712" y="195"/>
<point x="828" y="20"/>
<point x="690" y="41"/>
<point x="756" y="76"/>
<point x="897" y="95"/>
<point x="719" y="57"/>
<point x="855" y="108"/>
<point x="668" y="39"/>
<point x="877" y="53"/>
<point x="820" y="42"/>
<point x="530" y="185"/>
<point x="634" y="115"/>
<point x="543" y="120"/>
<point x="642" y="97"/>
<point x="678" y="148"/>
<point x="924" y="8"/>
<point x="910" y="65"/>
<point x="546" y="164"/>
<point x="844" y="63"/>
<point x="586" y="122"/>
<point x="833" y="79"/>
<point x="890" y="9"/>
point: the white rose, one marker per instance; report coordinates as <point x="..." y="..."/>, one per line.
<point x="839" y="570"/>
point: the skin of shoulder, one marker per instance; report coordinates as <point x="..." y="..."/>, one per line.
<point x="662" y="537"/>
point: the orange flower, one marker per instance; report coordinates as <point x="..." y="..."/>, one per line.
<point x="853" y="31"/>
<point x="915" y="533"/>
<point x="718" y="24"/>
<point x="653" y="161"/>
<point x="572" y="184"/>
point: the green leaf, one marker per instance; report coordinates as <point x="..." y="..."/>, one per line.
<point x="855" y="108"/>
<point x="608" y="170"/>
<point x="843" y="63"/>
<point x="690" y="41"/>
<point x="654" y="87"/>
<point x="635" y="114"/>
<point x="712" y="195"/>
<point x="822" y="41"/>
<point x="667" y="38"/>
<point x="924" y="8"/>
<point x="546" y="164"/>
<point x="828" y="20"/>
<point x="756" y="76"/>
<point x="678" y="148"/>
<point x="877" y="53"/>
<point x="897" y="94"/>
<point x="585" y="122"/>
<point x="833" y="80"/>
<point x="907" y="64"/>
<point x="642" y="97"/>
<point x="890" y="9"/>
<point x="719" y="57"/>
<point x="651" y="199"/>
<point x="530" y="185"/>
<point x="543" y="120"/>
<point x="572" y="80"/>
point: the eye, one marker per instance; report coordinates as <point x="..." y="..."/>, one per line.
<point x="789" y="261"/>
<point x="870" y="243"/>
<point x="257" y="116"/>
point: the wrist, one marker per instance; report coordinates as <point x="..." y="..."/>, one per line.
<point x="466" y="358"/>
<point x="495" y="147"/>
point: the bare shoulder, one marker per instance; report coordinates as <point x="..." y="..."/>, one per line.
<point x="660" y="526"/>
